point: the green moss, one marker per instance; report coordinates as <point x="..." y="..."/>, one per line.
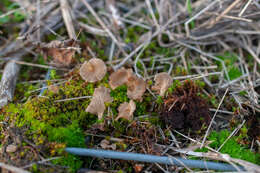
<point x="133" y="34"/>
<point x="159" y="100"/>
<point x="59" y="122"/>
<point x="231" y="147"/>
<point x="176" y="83"/>
<point x="15" y="17"/>
<point x="230" y="60"/>
<point x="119" y="96"/>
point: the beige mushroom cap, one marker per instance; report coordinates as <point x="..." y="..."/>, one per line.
<point x="96" y="107"/>
<point x="162" y="82"/>
<point x="103" y="93"/>
<point x="94" y="70"/>
<point x="119" y="77"/>
<point x="97" y="104"/>
<point x="135" y="88"/>
<point x="126" y="110"/>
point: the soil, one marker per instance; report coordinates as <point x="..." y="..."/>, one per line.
<point x="185" y="109"/>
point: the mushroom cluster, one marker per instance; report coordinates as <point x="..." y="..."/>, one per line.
<point x="135" y="86"/>
<point x="95" y="69"/>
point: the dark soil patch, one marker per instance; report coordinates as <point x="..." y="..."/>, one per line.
<point x="184" y="108"/>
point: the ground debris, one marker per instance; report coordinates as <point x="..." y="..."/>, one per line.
<point x="184" y="109"/>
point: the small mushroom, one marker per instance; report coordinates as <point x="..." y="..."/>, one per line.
<point x="11" y="148"/>
<point x="105" y="144"/>
<point x="94" y="70"/>
<point x="103" y="93"/>
<point x="100" y="97"/>
<point x="135" y="88"/>
<point x="162" y="82"/>
<point x="119" y="77"/>
<point x="54" y="88"/>
<point x="126" y="110"/>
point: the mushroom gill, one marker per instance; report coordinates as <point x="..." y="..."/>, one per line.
<point x="162" y="82"/>
<point x="126" y="110"/>
<point x="119" y="77"/>
<point x="135" y="88"/>
<point x="94" y="70"/>
<point x="100" y="97"/>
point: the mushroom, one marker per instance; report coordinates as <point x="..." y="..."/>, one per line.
<point x="126" y="110"/>
<point x="135" y="88"/>
<point x="119" y="77"/>
<point x="97" y="104"/>
<point x="94" y="70"/>
<point x="162" y="82"/>
<point x="103" y="93"/>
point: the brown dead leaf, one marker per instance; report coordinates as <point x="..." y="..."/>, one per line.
<point x="138" y="167"/>
<point x="61" y="52"/>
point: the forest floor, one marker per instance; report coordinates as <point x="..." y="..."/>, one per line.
<point x="158" y="77"/>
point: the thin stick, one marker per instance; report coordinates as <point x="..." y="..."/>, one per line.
<point x="12" y="168"/>
<point x="92" y="11"/>
<point x="244" y="9"/>
<point x="8" y="81"/>
<point x="226" y="11"/>
<point x="148" y="3"/>
<point x="161" y="29"/>
<point x="75" y="98"/>
<point x="211" y="122"/>
<point x="65" y="9"/>
<point x="197" y="142"/>
<point x="232" y="134"/>
<point x="93" y="30"/>
<point x="197" y="15"/>
<point x="233" y="17"/>
<point x="38" y="65"/>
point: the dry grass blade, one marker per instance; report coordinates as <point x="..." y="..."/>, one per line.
<point x="66" y="13"/>
<point x="12" y="168"/>
<point x="207" y="132"/>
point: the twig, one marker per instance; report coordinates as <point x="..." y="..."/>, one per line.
<point x="75" y="98"/>
<point x="211" y="122"/>
<point x="66" y="14"/>
<point x="197" y="15"/>
<point x="92" y="11"/>
<point x="232" y="134"/>
<point x="245" y="7"/>
<point x="225" y="11"/>
<point x="38" y="65"/>
<point x="93" y="30"/>
<point x="12" y="168"/>
<point x="8" y="81"/>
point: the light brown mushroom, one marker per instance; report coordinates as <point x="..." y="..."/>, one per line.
<point x="94" y="70"/>
<point x="126" y="110"/>
<point x="162" y="82"/>
<point x="119" y="77"/>
<point x="135" y="88"/>
<point x="103" y="93"/>
<point x="100" y="97"/>
<point x="54" y="88"/>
